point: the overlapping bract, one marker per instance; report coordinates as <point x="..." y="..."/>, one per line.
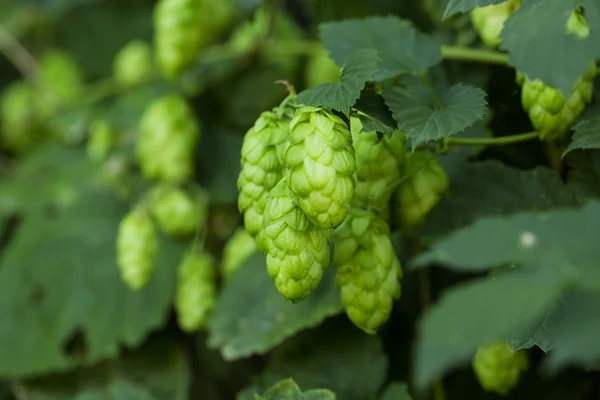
<point x="551" y="113"/>
<point x="196" y="290"/>
<point x="498" y="368"/>
<point x="176" y="212"/>
<point x="367" y="270"/>
<point x="297" y="252"/>
<point x="262" y="166"/>
<point x="184" y="27"/>
<point x="321" y="165"/>
<point x="137" y="248"/>
<point x="379" y="167"/>
<point x="167" y="138"/>
<point x="423" y="186"/>
<point x="489" y="20"/>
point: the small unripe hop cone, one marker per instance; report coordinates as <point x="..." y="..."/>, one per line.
<point x="177" y="212"/>
<point x="237" y="250"/>
<point x="489" y="20"/>
<point x="133" y="64"/>
<point x="498" y="368"/>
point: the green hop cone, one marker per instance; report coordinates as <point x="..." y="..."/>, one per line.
<point x="550" y="112"/>
<point x="21" y="128"/>
<point x="133" y="64"/>
<point x="196" y="290"/>
<point x="167" y="137"/>
<point x="489" y="20"/>
<point x="61" y="80"/>
<point x="367" y="270"/>
<point x="178" y="213"/>
<point x="102" y="138"/>
<point x="137" y="248"/>
<point x="262" y="167"/>
<point x="379" y="166"/>
<point x="424" y="186"/>
<point x="321" y="166"/>
<point x="498" y="368"/>
<point x="297" y="252"/>
<point x="320" y="68"/>
<point x="183" y="28"/>
<point x="237" y="250"/>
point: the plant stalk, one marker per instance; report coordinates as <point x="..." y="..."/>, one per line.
<point x="495" y="141"/>
<point x="475" y="55"/>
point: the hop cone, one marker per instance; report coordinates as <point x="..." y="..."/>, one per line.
<point x="424" y="185"/>
<point x="551" y="114"/>
<point x="297" y="252"/>
<point x="367" y="270"/>
<point x="488" y="21"/>
<point x="177" y="212"/>
<point x="137" y="248"/>
<point x="237" y="250"/>
<point x="196" y="290"/>
<point x="184" y="27"/>
<point x="102" y="137"/>
<point x="322" y="166"/>
<point x="20" y="118"/>
<point x="61" y="80"/>
<point x="320" y="68"/>
<point x="262" y="167"/>
<point x="133" y="63"/>
<point x="167" y="138"/>
<point x="379" y="167"/>
<point x="498" y="368"/>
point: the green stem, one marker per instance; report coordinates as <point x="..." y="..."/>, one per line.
<point x="495" y="141"/>
<point x="18" y="55"/>
<point x="475" y="55"/>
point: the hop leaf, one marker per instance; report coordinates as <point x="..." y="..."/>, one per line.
<point x="425" y="184"/>
<point x="137" y="248"/>
<point x="368" y="270"/>
<point x="262" y="167"/>
<point x="196" y="290"/>
<point x="167" y="138"/>
<point x="176" y="212"/>
<point x="379" y="166"/>
<point x="498" y="368"/>
<point x="20" y="118"/>
<point x="322" y="166"/>
<point x="184" y="27"/>
<point x="102" y="137"/>
<point x="237" y="250"/>
<point x="297" y="252"/>
<point x="488" y="21"/>
<point x="133" y="63"/>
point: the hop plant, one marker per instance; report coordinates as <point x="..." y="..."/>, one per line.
<point x="177" y="213"/>
<point x="320" y="68"/>
<point x="133" y="64"/>
<point x="167" y="138"/>
<point x="488" y="21"/>
<point x="196" y="290"/>
<point x="550" y="112"/>
<point x="322" y="166"/>
<point x="137" y="248"/>
<point x="262" y="167"/>
<point x="21" y="129"/>
<point x="367" y="270"/>
<point x="297" y="252"/>
<point x="498" y="368"/>
<point x="61" y="80"/>
<point x="424" y="185"/>
<point x="184" y="27"/>
<point x="237" y="250"/>
<point x="102" y="138"/>
<point x="379" y="166"/>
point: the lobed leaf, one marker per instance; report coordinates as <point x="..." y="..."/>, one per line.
<point x="587" y="131"/>
<point x="462" y="6"/>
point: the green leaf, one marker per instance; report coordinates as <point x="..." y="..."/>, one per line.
<point x="491" y="188"/>
<point x="426" y="114"/>
<point x="156" y="371"/>
<point x="539" y="333"/>
<point x="587" y="131"/>
<point x="402" y="48"/>
<point x="462" y="6"/>
<point x="378" y="116"/>
<point x="287" y="389"/>
<point x="548" y="52"/>
<point x="584" y="174"/>
<point x="356" y="71"/>
<point x="251" y="316"/>
<point x="331" y="356"/>
<point x="396" y="391"/>
<point x="478" y="312"/>
<point x="60" y="269"/>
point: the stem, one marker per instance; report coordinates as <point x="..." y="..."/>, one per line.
<point x="496" y="141"/>
<point x="475" y="55"/>
<point x="18" y="55"/>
